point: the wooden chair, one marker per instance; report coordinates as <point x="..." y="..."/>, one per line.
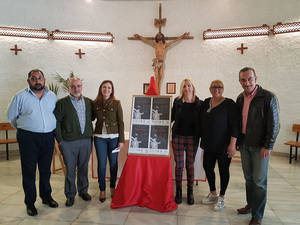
<point x="296" y="144"/>
<point x="6" y="127"/>
<point x="57" y="152"/>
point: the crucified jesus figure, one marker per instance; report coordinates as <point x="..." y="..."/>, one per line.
<point x="160" y="46"/>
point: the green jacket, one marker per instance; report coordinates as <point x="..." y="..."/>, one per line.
<point x="112" y="114"/>
<point x="67" y="122"/>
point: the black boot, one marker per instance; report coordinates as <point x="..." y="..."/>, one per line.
<point x="178" y="197"/>
<point x="190" y="197"/>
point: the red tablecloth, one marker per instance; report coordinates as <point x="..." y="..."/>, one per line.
<point x="146" y="181"/>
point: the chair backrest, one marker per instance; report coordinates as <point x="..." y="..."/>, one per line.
<point x="296" y="128"/>
<point x="6" y="126"/>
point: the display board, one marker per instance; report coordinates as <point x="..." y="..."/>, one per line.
<point x="150" y="125"/>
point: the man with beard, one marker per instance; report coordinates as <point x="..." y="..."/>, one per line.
<point x="73" y="133"/>
<point x="31" y="113"/>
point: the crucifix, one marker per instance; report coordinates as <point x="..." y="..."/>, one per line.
<point x="16" y="49"/>
<point x="159" y="43"/>
<point x="79" y="53"/>
<point x="242" y="48"/>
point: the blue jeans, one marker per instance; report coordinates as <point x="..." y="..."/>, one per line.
<point x="255" y="170"/>
<point x="104" y="147"/>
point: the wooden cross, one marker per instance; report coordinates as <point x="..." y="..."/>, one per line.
<point x="160" y="22"/>
<point x="160" y="45"/>
<point x="16" y="49"/>
<point x="79" y="53"/>
<point x="242" y="48"/>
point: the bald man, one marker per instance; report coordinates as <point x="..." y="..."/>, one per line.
<point x="74" y="135"/>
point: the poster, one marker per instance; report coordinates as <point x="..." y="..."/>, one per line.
<point x="150" y="125"/>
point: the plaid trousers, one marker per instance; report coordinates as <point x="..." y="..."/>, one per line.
<point x="189" y="145"/>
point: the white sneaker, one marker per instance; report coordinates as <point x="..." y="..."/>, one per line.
<point x="220" y="204"/>
<point x="210" y="199"/>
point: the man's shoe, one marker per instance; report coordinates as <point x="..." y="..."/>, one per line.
<point x="70" y="201"/>
<point x="85" y="196"/>
<point x="50" y="202"/>
<point x="31" y="210"/>
<point x="178" y="197"/>
<point x="255" y="221"/>
<point x="245" y="210"/>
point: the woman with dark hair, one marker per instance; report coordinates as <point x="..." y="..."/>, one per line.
<point x="185" y="136"/>
<point x="108" y="134"/>
<point x="220" y="128"/>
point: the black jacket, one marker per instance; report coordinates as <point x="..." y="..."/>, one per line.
<point x="176" y="111"/>
<point x="263" y="120"/>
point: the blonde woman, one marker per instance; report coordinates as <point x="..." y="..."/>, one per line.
<point x="185" y="136"/>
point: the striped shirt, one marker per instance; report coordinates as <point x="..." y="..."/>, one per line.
<point x="79" y="106"/>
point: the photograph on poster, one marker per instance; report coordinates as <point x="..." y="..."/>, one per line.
<point x="139" y="136"/>
<point x="159" y="137"/>
<point x="142" y="106"/>
<point x="161" y="109"/>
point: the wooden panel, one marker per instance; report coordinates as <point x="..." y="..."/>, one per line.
<point x="296" y="127"/>
<point x="6" y="126"/>
<point x="8" y="141"/>
<point x="293" y="143"/>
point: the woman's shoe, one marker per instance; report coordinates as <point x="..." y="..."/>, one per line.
<point x="112" y="192"/>
<point x="102" y="197"/>
<point x="190" y="197"/>
<point x="178" y="197"/>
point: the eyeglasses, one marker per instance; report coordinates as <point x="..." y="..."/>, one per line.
<point x="37" y="78"/>
<point x="216" y="87"/>
<point x="76" y="86"/>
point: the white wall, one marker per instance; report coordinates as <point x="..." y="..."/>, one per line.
<point x="128" y="63"/>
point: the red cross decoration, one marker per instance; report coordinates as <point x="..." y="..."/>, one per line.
<point x="242" y="48"/>
<point x="16" y="49"/>
<point x="79" y="53"/>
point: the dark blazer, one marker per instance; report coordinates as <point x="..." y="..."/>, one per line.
<point x="67" y="122"/>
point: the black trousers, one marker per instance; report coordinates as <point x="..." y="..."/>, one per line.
<point x="36" y="149"/>
<point x="209" y="163"/>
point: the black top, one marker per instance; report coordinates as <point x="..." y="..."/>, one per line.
<point x="218" y="125"/>
<point x="186" y="117"/>
<point x="186" y="123"/>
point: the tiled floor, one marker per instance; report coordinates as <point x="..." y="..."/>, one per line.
<point x="283" y="205"/>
